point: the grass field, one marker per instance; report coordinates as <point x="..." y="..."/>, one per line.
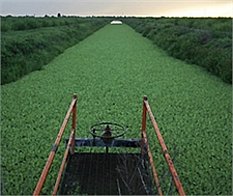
<point x="111" y="71"/>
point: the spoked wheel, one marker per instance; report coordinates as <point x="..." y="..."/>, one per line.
<point x="107" y="130"/>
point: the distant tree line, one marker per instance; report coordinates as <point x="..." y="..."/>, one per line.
<point x="10" y="23"/>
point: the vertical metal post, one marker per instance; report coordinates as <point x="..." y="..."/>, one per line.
<point x="143" y="128"/>
<point x="62" y="167"/>
<point x="107" y="149"/>
<point x="145" y="150"/>
<point x="152" y="164"/>
<point x="53" y="151"/>
<point x="167" y="157"/>
<point x="144" y="110"/>
<point x="74" y="121"/>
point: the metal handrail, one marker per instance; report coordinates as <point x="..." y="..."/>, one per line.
<point x="176" y="180"/>
<point x="44" y="174"/>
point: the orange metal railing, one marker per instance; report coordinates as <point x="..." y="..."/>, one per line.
<point x="71" y="145"/>
<point x="69" y="149"/>
<point x="147" y="109"/>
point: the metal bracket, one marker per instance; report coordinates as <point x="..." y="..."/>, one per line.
<point x="54" y="148"/>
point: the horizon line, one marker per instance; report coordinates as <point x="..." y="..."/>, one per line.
<point x="111" y="16"/>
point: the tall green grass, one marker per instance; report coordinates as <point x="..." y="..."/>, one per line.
<point x="206" y="42"/>
<point x="29" y="43"/>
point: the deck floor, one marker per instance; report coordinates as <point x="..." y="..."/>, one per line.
<point x="106" y="174"/>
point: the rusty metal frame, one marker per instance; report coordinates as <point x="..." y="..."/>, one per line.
<point x="70" y="147"/>
<point x="177" y="182"/>
<point x="72" y="141"/>
<point x="62" y="167"/>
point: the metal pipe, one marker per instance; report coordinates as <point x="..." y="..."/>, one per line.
<point x="62" y="167"/>
<point x="144" y="111"/>
<point x="165" y="151"/>
<point x="154" y="171"/>
<point x="50" y="159"/>
<point x="74" y="124"/>
<point x="143" y="128"/>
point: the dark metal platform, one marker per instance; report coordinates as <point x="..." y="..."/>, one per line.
<point x="107" y="174"/>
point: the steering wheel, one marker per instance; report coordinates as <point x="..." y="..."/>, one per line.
<point x="107" y="130"/>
